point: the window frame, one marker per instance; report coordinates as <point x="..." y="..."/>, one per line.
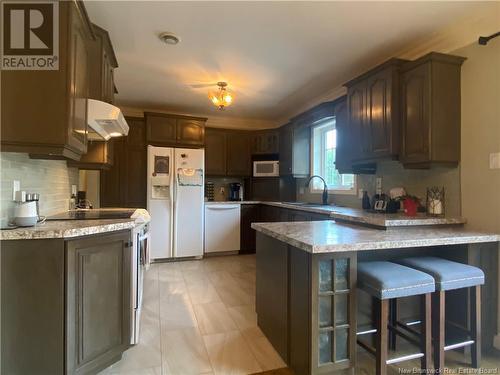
<point x="312" y="187"/>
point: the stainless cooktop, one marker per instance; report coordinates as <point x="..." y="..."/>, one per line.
<point x="92" y="215"/>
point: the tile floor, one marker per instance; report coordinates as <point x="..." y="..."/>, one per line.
<point x="199" y="318"/>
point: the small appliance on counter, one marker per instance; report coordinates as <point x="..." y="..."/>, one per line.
<point x="27" y="210"/>
<point x="235" y="191"/>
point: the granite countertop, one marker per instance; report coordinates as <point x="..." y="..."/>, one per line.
<point x="359" y="216"/>
<point x="67" y="229"/>
<point x="356" y="215"/>
<point x="331" y="236"/>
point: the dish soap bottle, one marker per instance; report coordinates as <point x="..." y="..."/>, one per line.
<point x="365" y="203"/>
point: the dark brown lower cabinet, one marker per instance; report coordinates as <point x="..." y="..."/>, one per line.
<point x="306" y="306"/>
<point x="65" y="305"/>
<point x="249" y="214"/>
<point x="98" y="304"/>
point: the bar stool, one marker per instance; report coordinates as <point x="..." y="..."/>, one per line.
<point x="449" y="275"/>
<point x="386" y="281"/>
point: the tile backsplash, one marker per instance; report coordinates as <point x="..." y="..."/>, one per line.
<point x="51" y="178"/>
<point x="415" y="182"/>
<point x="221" y="186"/>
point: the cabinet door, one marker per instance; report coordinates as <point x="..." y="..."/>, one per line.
<point x="415" y="114"/>
<point x="285" y="150"/>
<point x="356" y="116"/>
<point x="161" y="130"/>
<point x="266" y="142"/>
<point x="78" y="82"/>
<point x="215" y="152"/>
<point x="190" y="132"/>
<point x="296" y="215"/>
<point x="98" y="303"/>
<point x="301" y="151"/>
<point x="249" y="215"/>
<point x="378" y="120"/>
<point x="345" y="140"/>
<point x="238" y="154"/>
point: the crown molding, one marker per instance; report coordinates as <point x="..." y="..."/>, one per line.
<point x="212" y="122"/>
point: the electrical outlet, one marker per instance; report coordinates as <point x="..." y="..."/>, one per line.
<point x="302" y="190"/>
<point x="360" y="193"/>
<point x="495" y="160"/>
<point x="379" y="183"/>
<point x="16" y="186"/>
<point x="73" y="190"/>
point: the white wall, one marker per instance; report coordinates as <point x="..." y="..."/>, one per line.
<point x="51" y="178"/>
<point x="480" y="137"/>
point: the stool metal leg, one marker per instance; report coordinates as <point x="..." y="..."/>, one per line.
<point x="476" y="325"/>
<point x="426" y="333"/>
<point x="438" y="320"/>
<point x="382" y="338"/>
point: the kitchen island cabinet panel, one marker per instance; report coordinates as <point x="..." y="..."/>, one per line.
<point x="250" y="213"/>
<point x="272" y="292"/>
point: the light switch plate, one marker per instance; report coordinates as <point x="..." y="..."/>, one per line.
<point x="16" y="186"/>
<point x="495" y="160"/>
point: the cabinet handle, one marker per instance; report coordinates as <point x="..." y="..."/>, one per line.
<point x="128" y="244"/>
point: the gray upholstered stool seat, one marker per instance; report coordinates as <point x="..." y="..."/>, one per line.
<point x="386" y="280"/>
<point x="447" y="274"/>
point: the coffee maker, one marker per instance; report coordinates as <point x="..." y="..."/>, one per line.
<point x="235" y="191"/>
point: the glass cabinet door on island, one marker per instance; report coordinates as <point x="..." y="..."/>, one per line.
<point x="333" y="322"/>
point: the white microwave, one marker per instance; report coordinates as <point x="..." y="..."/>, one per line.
<point x="268" y="168"/>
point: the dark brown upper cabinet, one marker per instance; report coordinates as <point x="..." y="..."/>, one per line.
<point x="373" y="112"/>
<point x="99" y="156"/>
<point x="227" y="152"/>
<point x="265" y="142"/>
<point x="175" y="130"/>
<point x="431" y="111"/>
<point x="124" y="184"/>
<point x="345" y="141"/>
<point x="55" y="126"/>
<point x="215" y="152"/>
<point x="102" y="64"/>
<point x="238" y="154"/>
<point x="286" y="149"/>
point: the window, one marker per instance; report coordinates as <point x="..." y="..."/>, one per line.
<point x="324" y="143"/>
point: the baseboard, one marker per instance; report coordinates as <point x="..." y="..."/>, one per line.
<point x="496" y="341"/>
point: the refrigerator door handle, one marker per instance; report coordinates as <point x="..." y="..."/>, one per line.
<point x="173" y="222"/>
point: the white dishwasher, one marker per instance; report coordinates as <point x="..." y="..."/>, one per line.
<point x="222" y="227"/>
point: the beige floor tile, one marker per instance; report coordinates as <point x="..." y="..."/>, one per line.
<point x="176" y="312"/>
<point x="244" y="316"/>
<point x="195" y="277"/>
<point x="267" y="357"/>
<point x="146" y="355"/>
<point x="169" y="273"/>
<point x="213" y="318"/>
<point x="221" y="277"/>
<point x="202" y="293"/>
<point x="230" y="354"/>
<point x="143" y="371"/>
<point x="172" y="287"/>
<point x="233" y="295"/>
<point x="184" y="352"/>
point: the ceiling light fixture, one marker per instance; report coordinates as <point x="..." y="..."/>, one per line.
<point x="221" y="98"/>
<point x="169" y="38"/>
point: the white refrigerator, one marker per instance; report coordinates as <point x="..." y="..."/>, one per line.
<point x="175" y="202"/>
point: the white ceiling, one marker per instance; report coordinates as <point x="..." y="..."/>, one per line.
<point x="275" y="56"/>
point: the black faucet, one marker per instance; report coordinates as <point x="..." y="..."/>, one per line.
<point x="325" y="187"/>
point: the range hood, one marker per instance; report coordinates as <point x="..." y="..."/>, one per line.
<point x="105" y="121"/>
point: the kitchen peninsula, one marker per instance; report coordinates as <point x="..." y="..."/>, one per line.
<point x="306" y="298"/>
